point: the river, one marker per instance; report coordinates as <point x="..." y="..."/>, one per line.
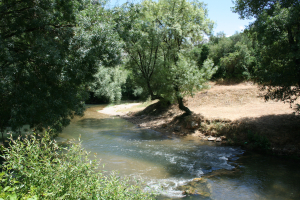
<point x="168" y="164"/>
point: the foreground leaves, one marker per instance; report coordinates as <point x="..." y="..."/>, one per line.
<point x="37" y="168"/>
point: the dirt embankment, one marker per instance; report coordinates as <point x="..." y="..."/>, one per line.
<point x="231" y="114"/>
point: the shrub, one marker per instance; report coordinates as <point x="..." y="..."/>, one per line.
<point x="258" y="142"/>
<point x="36" y="167"/>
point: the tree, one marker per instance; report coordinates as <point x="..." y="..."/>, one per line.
<point x="219" y="46"/>
<point x="235" y="56"/>
<point x="99" y="32"/>
<point x="203" y="55"/>
<point x="159" y="43"/>
<point x="49" y="51"/>
<point x="277" y="30"/>
<point x="108" y="83"/>
<point x="142" y="42"/>
<point x="184" y="23"/>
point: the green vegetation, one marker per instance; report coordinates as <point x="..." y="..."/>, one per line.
<point x="108" y="83"/>
<point x="37" y="168"/>
<point x="277" y="31"/>
<point x="54" y="53"/>
<point x="234" y="55"/>
<point x="258" y="142"/>
<point x="49" y="53"/>
<point x="158" y="40"/>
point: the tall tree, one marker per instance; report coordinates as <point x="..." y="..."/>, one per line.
<point x="142" y="41"/>
<point x="159" y="42"/>
<point x="184" y="23"/>
<point x="49" y="51"/>
<point x="277" y="30"/>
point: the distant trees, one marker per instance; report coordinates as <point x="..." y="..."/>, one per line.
<point x="200" y="53"/>
<point x="108" y="83"/>
<point x="49" y="52"/>
<point x="234" y="55"/>
<point x="159" y="38"/>
<point x="277" y="30"/>
<point x="97" y="25"/>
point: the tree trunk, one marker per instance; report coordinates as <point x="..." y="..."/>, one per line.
<point x="180" y="102"/>
<point x="153" y="96"/>
<point x="150" y="90"/>
<point x="183" y="107"/>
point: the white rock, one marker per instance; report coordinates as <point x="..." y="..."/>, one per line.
<point x="211" y="139"/>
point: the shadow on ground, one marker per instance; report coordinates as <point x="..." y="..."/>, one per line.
<point x="278" y="133"/>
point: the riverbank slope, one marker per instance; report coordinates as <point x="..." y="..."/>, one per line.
<point x="231" y="114"/>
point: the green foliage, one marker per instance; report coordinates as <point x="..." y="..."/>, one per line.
<point x="239" y="63"/>
<point x="216" y="39"/>
<point x="37" y="168"/>
<point x="234" y="55"/>
<point x="200" y="54"/>
<point x="131" y="90"/>
<point x="108" y="83"/>
<point x="258" y="142"/>
<point x="141" y="44"/>
<point x="49" y="52"/>
<point x="158" y="41"/>
<point x="277" y="30"/>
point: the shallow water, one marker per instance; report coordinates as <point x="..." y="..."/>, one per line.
<point x="165" y="163"/>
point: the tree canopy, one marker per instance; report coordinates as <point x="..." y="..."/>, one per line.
<point x="49" y="52"/>
<point x="277" y="30"/>
<point x="53" y="53"/>
<point x="159" y="38"/>
<point x="235" y="56"/>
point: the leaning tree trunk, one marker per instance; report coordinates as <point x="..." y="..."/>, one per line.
<point x="180" y="102"/>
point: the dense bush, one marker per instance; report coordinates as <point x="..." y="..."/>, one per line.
<point x="131" y="91"/>
<point x="234" y="55"/>
<point x="277" y="31"/>
<point x="258" y="142"/>
<point x="108" y="83"/>
<point x="37" y="168"/>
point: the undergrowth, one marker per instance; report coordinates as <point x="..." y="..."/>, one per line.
<point x="36" y="167"/>
<point x="258" y="142"/>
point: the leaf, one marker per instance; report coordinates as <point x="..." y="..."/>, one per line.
<point x="6" y="188"/>
<point x="13" y="196"/>
<point x="33" y="198"/>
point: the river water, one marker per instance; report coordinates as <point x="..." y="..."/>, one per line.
<point x="168" y="164"/>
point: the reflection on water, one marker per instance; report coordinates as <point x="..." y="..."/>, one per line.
<point x="165" y="163"/>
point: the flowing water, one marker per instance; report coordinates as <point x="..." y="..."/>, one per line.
<point x="168" y="164"/>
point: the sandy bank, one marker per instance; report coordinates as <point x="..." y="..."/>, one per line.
<point x="120" y="110"/>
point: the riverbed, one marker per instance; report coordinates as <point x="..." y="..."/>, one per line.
<point x="173" y="166"/>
